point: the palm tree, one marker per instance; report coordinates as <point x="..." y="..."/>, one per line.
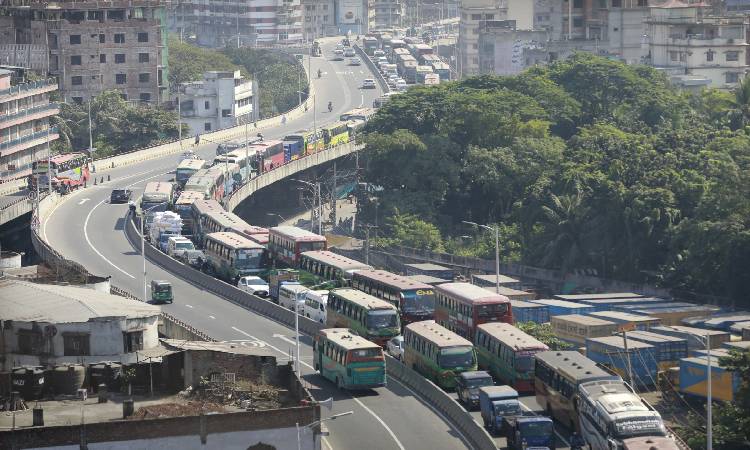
<point x="567" y="221"/>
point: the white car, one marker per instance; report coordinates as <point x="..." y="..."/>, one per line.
<point x="395" y="347"/>
<point x="338" y="55"/>
<point x="381" y="60"/>
<point x="368" y="83"/>
<point x="254" y="285"/>
<point x="378" y="53"/>
<point x="349" y="52"/>
<point x="401" y="85"/>
<point x="355" y="62"/>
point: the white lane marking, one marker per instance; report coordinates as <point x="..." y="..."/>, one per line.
<point x="86" y="235"/>
<point x="211" y="317"/>
<point x="189" y="306"/>
<point x="358" y="401"/>
<point x="328" y="444"/>
<point x="557" y="433"/>
<point x="285" y="339"/>
<point x="84" y="201"/>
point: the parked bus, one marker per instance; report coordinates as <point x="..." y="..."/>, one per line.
<point x="350" y="361"/>
<point x="610" y="412"/>
<point x="437" y="353"/>
<point x="208" y="182"/>
<point x="67" y="171"/>
<point x="368" y="316"/>
<point x="414" y="300"/>
<point x="557" y="375"/>
<point x="187" y="169"/>
<point x="460" y="307"/>
<point x="311" y="141"/>
<point x="331" y="266"/>
<point x="184" y="207"/>
<point x="157" y="196"/>
<point x="286" y="243"/>
<point x="508" y="354"/>
<point x="335" y="134"/>
<point x="231" y="256"/>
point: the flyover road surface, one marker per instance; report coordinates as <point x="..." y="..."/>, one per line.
<point x="89" y="230"/>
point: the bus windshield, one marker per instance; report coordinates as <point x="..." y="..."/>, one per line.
<point x="249" y="258"/>
<point x="308" y="246"/>
<point x="365" y="353"/>
<point x="386" y="318"/>
<point x="454" y="357"/>
<point x="639" y="426"/>
<point x="418" y="302"/>
<point x="536" y="429"/>
<point x="492" y="310"/>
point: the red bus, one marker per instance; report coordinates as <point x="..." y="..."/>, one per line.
<point x="271" y="153"/>
<point x="67" y="170"/>
<point x="287" y="243"/>
<point x="462" y="306"/>
<point x="414" y="300"/>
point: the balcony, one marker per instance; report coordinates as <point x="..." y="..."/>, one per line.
<point x="22" y="142"/>
<point x="37" y="112"/>
<point x="28" y="89"/>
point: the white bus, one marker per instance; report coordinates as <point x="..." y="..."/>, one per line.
<point x="231" y="256"/>
<point x="157" y="196"/>
<point x="610" y="412"/>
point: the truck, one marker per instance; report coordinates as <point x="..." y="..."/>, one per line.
<point x="275" y="277"/>
<point x="527" y="432"/>
<point x="497" y="402"/>
<point x="468" y="384"/>
<point x="316" y="49"/>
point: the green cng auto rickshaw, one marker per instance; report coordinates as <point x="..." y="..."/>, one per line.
<point x="161" y="291"/>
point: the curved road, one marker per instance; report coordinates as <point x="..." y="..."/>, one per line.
<point x="87" y="229"/>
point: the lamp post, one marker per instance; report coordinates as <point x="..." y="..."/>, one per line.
<point x="316" y="423"/>
<point x="318" y="208"/>
<point x="143" y="247"/>
<point x="496" y="230"/>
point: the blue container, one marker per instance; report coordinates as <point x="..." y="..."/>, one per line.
<point x="627" y="321"/>
<point x="695" y="337"/>
<point x="724" y="323"/>
<point x="529" y="312"/>
<point x="669" y="349"/>
<point x="292" y="150"/>
<point x="693" y="379"/>
<point x="562" y="308"/>
<point x="610" y="351"/>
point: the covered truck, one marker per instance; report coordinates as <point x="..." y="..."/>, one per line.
<point x="527" y="432"/>
<point x="496" y="403"/>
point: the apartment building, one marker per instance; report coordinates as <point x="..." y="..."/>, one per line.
<point x="389" y="13"/>
<point x="216" y="23"/>
<point x="474" y="14"/>
<point x="504" y="49"/>
<point x="220" y="100"/>
<point x="95" y="46"/>
<point x="319" y="18"/>
<point x="696" y="48"/>
<point x="25" y="110"/>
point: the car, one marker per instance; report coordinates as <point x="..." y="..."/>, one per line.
<point x="349" y="52"/>
<point x="401" y="84"/>
<point x="378" y="53"/>
<point x="120" y="196"/>
<point x="381" y="60"/>
<point x="193" y="258"/>
<point x="368" y="83"/>
<point x="338" y="55"/>
<point x="395" y="347"/>
<point x="254" y="285"/>
<point x="355" y="62"/>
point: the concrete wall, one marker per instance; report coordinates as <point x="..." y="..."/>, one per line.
<point x="261" y="369"/>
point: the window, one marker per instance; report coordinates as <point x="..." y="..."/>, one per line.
<point x="674" y="56"/>
<point x="710" y="55"/>
<point x="476" y="17"/>
<point x="732" y="77"/>
<point x="207" y="126"/>
<point x="206" y="105"/>
<point x="121" y="78"/>
<point x="75" y="39"/>
<point x="102" y="38"/>
<point x="132" y="341"/>
<point x="103" y="58"/>
<point x="75" y="60"/>
<point x="76" y="81"/>
<point x="119" y="58"/>
<point x="733" y="56"/>
<point x="75" y="344"/>
<point x="119" y="38"/>
<point x="144" y="77"/>
<point x="226" y="113"/>
<point x="142" y="37"/>
<point x="30" y="342"/>
<point x="577" y="22"/>
<point x="145" y="96"/>
<point x="78" y="100"/>
<point x="143" y="57"/>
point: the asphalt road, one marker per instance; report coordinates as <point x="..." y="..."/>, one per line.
<point x="87" y="229"/>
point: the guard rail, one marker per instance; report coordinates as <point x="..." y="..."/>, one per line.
<point x="373" y="68"/>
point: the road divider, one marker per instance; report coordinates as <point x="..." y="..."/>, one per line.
<point x="373" y="68"/>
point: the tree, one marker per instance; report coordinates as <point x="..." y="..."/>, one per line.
<point x="544" y="334"/>
<point x="188" y="62"/>
<point x="409" y="231"/>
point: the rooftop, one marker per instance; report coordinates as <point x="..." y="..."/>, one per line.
<point x="491" y="278"/>
<point x="617" y="341"/>
<point x="224" y="347"/>
<point x="345" y="338"/>
<point x="702" y="332"/>
<point x="31" y="302"/>
<point x="506" y="290"/>
<point x="438" y="335"/>
<point x="623" y="316"/>
<point x="296" y="233"/>
<point x="334" y="259"/>
<point x="427" y="266"/>
<point x="582" y="319"/>
<point x="647" y="336"/>
<point x="362" y="299"/>
<point x="469" y="292"/>
<point x="426" y="279"/>
<point x="512" y="336"/>
<point x="397" y="281"/>
<point x="602" y="296"/>
<point x="561" y="303"/>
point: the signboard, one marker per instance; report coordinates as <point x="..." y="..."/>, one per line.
<point x="350" y="11"/>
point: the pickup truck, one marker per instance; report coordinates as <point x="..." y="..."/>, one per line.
<point x="529" y="432"/>
<point x="497" y="402"/>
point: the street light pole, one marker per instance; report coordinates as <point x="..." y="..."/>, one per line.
<point x="709" y="406"/>
<point x="318" y="422"/>
<point x="496" y="230"/>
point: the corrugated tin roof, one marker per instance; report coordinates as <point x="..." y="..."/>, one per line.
<point x="581" y="319"/>
<point x="491" y="278"/>
<point x="623" y="316"/>
<point x="427" y="266"/>
<point x="32" y="302"/>
<point x="561" y="303"/>
<point x="617" y="342"/>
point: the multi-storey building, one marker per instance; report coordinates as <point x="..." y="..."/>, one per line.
<point x="25" y="110"/>
<point x="220" y="100"/>
<point x="506" y="50"/>
<point x="319" y="18"/>
<point x="696" y="48"/>
<point x="355" y="16"/>
<point x="95" y="46"/>
<point x="389" y="13"/>
<point x="216" y="23"/>
<point x="474" y="14"/>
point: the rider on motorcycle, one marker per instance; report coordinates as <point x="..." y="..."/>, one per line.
<point x="319" y="73"/>
<point x="330" y="106"/>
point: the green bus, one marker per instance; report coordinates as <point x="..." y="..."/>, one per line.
<point x="310" y="141"/>
<point x="231" y="256"/>
<point x="437" y="353"/>
<point x="368" y="316"/>
<point x="350" y="361"/>
<point x="335" y="134"/>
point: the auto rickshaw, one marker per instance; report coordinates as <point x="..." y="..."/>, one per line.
<point x="161" y="291"/>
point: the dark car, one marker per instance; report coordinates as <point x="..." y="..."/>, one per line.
<point x="120" y="196"/>
<point x="468" y="384"/>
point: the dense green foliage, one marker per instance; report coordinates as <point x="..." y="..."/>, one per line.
<point x="731" y="421"/>
<point x="117" y="126"/>
<point x="279" y="76"/>
<point x="585" y="164"/>
<point x="544" y="334"/>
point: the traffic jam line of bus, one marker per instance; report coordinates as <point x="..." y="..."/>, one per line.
<point x="446" y="332"/>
